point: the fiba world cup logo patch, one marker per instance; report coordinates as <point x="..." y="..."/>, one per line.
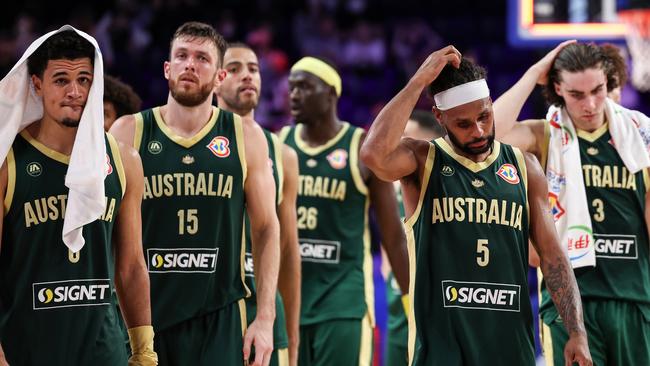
<point x="508" y="172"/>
<point x="219" y="146"/>
<point x="109" y="167"/>
<point x="556" y="209"/>
<point x="338" y="159"/>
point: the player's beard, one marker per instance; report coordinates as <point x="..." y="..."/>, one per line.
<point x="236" y="103"/>
<point x="473" y="151"/>
<point x="69" y="122"/>
<point x="191" y="99"/>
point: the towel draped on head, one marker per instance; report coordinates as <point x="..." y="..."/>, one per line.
<point x="20" y="106"/>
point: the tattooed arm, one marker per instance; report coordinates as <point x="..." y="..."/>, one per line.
<point x="558" y="274"/>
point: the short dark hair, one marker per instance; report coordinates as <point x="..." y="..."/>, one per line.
<point x="616" y="66"/>
<point x="192" y="30"/>
<point x="450" y="76"/>
<point x="238" y="44"/>
<point x="575" y="57"/>
<point x="66" y="45"/>
<point x="427" y="121"/>
<point x="122" y="96"/>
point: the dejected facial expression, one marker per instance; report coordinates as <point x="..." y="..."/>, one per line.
<point x="240" y="89"/>
<point x="64" y="88"/>
<point x="584" y="95"/>
<point x="192" y="70"/>
<point x="309" y="96"/>
<point x="470" y="127"/>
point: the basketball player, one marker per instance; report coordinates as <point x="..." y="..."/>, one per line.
<point x="334" y="192"/>
<point x="471" y="204"/>
<point x="239" y="93"/>
<point x="202" y="168"/>
<point x="615" y="288"/>
<point x="422" y="125"/>
<point x="57" y="303"/>
<point x="119" y="100"/>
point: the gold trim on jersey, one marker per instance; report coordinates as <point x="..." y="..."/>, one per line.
<point x="11" y="180"/>
<point x="646" y="179"/>
<point x="410" y="245"/>
<point x="117" y="159"/>
<point x="523" y="173"/>
<point x="468" y="163"/>
<point x="139" y="127"/>
<point x="593" y="136"/>
<point x="302" y="145"/>
<point x="277" y="147"/>
<point x="547" y="344"/>
<point x="284" y="132"/>
<point x="431" y="156"/>
<point x="283" y="356"/>
<point x="354" y="162"/>
<point x="242" y="259"/>
<point x="368" y="282"/>
<point x="241" y="147"/>
<point x="242" y="316"/>
<point x="52" y="154"/>
<point x="365" y="348"/>
<point x="544" y="148"/>
<point x="185" y="142"/>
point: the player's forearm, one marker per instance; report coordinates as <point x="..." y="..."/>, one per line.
<point x="289" y="285"/>
<point x="397" y="252"/>
<point x="508" y="106"/>
<point x="386" y="131"/>
<point x="132" y="286"/>
<point x="561" y="284"/>
<point x="266" y="256"/>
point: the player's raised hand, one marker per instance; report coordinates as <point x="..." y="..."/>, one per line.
<point x="577" y="351"/>
<point x="543" y="66"/>
<point x="433" y="65"/>
<point x="259" y="335"/>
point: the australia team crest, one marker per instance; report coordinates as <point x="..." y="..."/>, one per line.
<point x="508" y="172"/>
<point x="219" y="146"/>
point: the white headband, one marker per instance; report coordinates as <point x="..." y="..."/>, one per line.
<point x="461" y="94"/>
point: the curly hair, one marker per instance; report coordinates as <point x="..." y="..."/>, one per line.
<point x="66" y="45"/>
<point x="617" y="66"/>
<point x="450" y="76"/>
<point x="122" y="96"/>
<point x="576" y="57"/>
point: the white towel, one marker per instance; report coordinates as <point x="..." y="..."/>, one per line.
<point x="630" y="132"/>
<point x="20" y="106"/>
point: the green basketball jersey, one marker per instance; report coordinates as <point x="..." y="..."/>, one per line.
<point x="616" y="200"/>
<point x="58" y="304"/>
<point x="192" y="215"/>
<point x="333" y="228"/>
<point x="468" y="248"/>
<point x="279" y="326"/>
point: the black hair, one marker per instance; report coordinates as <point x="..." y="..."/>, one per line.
<point x="122" y="96"/>
<point x="66" y="45"/>
<point x="427" y="121"/>
<point x="450" y="76"/>
<point x="194" y="30"/>
<point x="576" y="57"/>
<point x="239" y="45"/>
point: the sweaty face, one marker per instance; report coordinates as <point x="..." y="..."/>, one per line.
<point x="191" y="70"/>
<point x="584" y="95"/>
<point x="240" y="90"/>
<point x="309" y="96"/>
<point x="470" y="127"/>
<point x="64" y="87"/>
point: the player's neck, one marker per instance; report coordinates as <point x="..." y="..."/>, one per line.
<point x="186" y="121"/>
<point x="244" y="113"/>
<point x="589" y="126"/>
<point x="53" y="135"/>
<point x="320" y="131"/>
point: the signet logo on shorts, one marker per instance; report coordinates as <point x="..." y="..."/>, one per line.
<point x="64" y="294"/>
<point x="481" y="295"/>
<point x="34" y="169"/>
<point x="182" y="260"/>
<point x="219" y="146"/>
<point x="320" y="251"/>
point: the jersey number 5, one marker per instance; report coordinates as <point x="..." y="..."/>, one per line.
<point x="482" y="252"/>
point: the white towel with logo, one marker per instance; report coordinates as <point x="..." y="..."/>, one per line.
<point x="630" y="131"/>
<point x="20" y="107"/>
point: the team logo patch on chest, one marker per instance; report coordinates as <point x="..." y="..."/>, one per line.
<point x="34" y="169"/>
<point x="338" y="159"/>
<point x="154" y="147"/>
<point x="508" y="172"/>
<point x="556" y="209"/>
<point x="219" y="146"/>
<point x="109" y="167"/>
